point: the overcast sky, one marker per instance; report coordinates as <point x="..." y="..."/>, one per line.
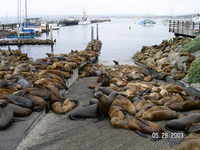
<point x="102" y="7"/>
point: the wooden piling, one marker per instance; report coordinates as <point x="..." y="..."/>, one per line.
<point x="97" y="32"/>
<point x="92" y="33"/>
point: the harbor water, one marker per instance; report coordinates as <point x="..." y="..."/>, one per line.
<point x="121" y="39"/>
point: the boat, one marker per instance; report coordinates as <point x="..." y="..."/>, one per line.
<point x="196" y="19"/>
<point x="54" y="26"/>
<point x="147" y="22"/>
<point x="69" y="22"/>
<point x="27" y="29"/>
<point x="84" y="20"/>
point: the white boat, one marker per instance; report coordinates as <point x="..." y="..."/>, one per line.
<point x="54" y="26"/>
<point x="84" y="20"/>
<point x="196" y="19"/>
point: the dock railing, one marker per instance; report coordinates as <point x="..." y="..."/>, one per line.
<point x="184" y="28"/>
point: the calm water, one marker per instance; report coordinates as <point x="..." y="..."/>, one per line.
<point x="119" y="41"/>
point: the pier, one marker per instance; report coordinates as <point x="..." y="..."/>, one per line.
<point x="26" y="42"/>
<point x="184" y="28"/>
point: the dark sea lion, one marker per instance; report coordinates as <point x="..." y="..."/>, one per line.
<point x="3" y="83"/>
<point x="40" y="92"/>
<point x="182" y="124"/>
<point x="87" y="112"/>
<point x="24" y="83"/>
<point x="105" y="90"/>
<point x="20" y="111"/>
<point x="6" y="115"/>
<point x="105" y="102"/>
<point x="93" y="101"/>
<point x="194" y="128"/>
<point x="21" y="101"/>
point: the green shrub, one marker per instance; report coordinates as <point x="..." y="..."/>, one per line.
<point x="193" y="75"/>
<point x="192" y="46"/>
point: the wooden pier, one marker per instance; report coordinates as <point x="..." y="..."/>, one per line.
<point x="20" y="42"/>
<point x="184" y="28"/>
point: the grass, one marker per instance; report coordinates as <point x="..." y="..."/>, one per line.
<point x="192" y="46"/>
<point x="193" y="75"/>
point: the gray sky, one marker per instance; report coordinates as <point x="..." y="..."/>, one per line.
<point x="102" y="7"/>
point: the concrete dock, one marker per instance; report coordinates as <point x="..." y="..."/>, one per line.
<point x="55" y="132"/>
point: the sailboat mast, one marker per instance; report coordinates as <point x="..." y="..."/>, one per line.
<point x="26" y="13"/>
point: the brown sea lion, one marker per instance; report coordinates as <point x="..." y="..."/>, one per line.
<point x="103" y="80"/>
<point x="157" y="113"/>
<point x="131" y="92"/>
<point x="64" y="75"/>
<point x="172" y="88"/>
<point x="143" y="126"/>
<point x="38" y="102"/>
<point x="153" y="96"/>
<point x="184" y="123"/>
<point x="192" y="142"/>
<point x="125" y="103"/>
<point x="185" y="105"/>
<point x="117" y="118"/>
<point x="40" y="92"/>
<point x="66" y="106"/>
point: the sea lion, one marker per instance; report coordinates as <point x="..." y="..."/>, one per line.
<point x="6" y="115"/>
<point x="194" y="128"/>
<point x="105" y="90"/>
<point x="125" y="103"/>
<point x="159" y="113"/>
<point x="93" y="101"/>
<point x="20" y="111"/>
<point x="66" y="106"/>
<point x="185" y="105"/>
<point x="3" y="84"/>
<point x="103" y="80"/>
<point x="21" y="101"/>
<point x="117" y="117"/>
<point x="38" y="102"/>
<point x="172" y="88"/>
<point x="192" y="142"/>
<point x="143" y="126"/>
<point x="105" y="102"/>
<point x="184" y="123"/>
<point x="40" y="92"/>
<point x="86" y="112"/>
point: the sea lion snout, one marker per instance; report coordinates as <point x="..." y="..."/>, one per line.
<point x="98" y="94"/>
<point x="3" y="103"/>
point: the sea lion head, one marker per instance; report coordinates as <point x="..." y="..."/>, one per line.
<point x="98" y="94"/>
<point x="3" y="103"/>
